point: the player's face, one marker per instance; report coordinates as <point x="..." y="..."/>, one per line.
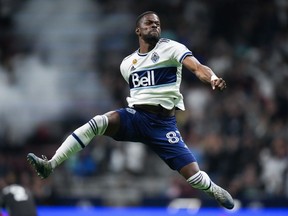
<point x="149" y="28"/>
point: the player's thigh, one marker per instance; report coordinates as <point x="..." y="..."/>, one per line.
<point x="167" y="142"/>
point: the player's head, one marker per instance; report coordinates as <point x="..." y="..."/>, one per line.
<point x="148" y="27"/>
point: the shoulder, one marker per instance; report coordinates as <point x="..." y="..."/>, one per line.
<point x="169" y="42"/>
<point x="130" y="56"/>
<point x="127" y="61"/>
<point x="165" y="44"/>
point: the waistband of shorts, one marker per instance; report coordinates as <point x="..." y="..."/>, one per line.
<point x="157" y="110"/>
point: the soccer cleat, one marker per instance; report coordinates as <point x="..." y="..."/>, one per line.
<point x="42" y="166"/>
<point x="221" y="196"/>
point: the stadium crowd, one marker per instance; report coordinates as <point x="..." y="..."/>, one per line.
<point x="239" y="136"/>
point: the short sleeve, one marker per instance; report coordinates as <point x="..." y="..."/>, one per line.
<point x="180" y="51"/>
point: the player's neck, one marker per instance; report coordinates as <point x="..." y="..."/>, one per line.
<point x="146" y="47"/>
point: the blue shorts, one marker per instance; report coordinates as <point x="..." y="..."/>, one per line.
<point x="159" y="133"/>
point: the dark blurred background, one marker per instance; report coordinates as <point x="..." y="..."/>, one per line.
<point x="59" y="67"/>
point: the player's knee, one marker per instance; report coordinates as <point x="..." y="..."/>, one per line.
<point x="113" y="123"/>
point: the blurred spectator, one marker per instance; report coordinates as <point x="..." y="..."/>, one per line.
<point x="274" y="164"/>
<point x="16" y="199"/>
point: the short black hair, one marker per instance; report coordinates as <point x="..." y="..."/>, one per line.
<point x="142" y="15"/>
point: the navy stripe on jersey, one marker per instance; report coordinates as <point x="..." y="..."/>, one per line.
<point x="185" y="55"/>
<point x="155" y="77"/>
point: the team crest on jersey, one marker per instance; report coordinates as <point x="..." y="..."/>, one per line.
<point x="134" y="61"/>
<point x="155" y="57"/>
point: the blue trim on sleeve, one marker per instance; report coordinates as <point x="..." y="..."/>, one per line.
<point x="185" y="55"/>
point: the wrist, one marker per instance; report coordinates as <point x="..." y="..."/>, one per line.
<point x="214" y="77"/>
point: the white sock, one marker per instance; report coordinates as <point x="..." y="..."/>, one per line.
<point x="80" y="138"/>
<point x="201" y="181"/>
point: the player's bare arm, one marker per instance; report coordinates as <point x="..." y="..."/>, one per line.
<point x="204" y="73"/>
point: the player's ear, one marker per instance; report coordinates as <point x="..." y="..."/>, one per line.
<point x="137" y="31"/>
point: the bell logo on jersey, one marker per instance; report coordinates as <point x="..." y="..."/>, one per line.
<point x="156" y="77"/>
<point x="144" y="80"/>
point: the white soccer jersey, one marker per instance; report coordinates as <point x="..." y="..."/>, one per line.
<point x="154" y="78"/>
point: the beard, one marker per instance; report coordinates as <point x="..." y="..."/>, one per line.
<point x="151" y="38"/>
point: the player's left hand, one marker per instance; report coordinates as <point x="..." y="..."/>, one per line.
<point x="218" y="84"/>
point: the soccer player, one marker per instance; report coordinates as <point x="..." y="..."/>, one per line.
<point x="153" y="73"/>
